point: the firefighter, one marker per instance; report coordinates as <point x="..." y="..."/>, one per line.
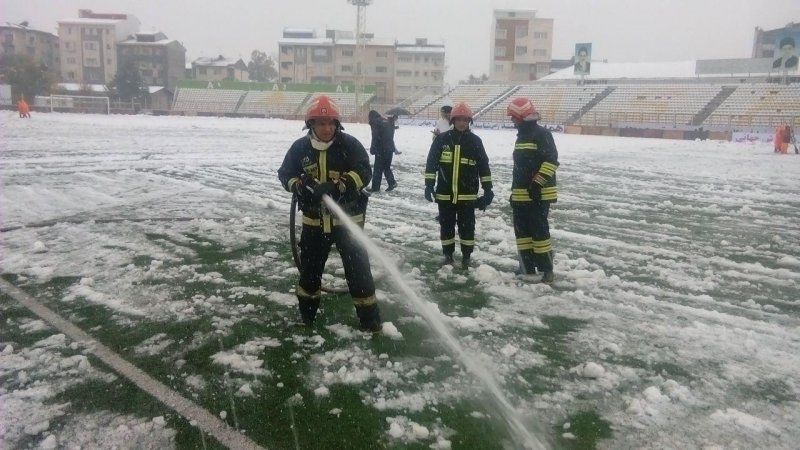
<point x="329" y="162"/>
<point x="533" y="189"/>
<point x="457" y="164"/>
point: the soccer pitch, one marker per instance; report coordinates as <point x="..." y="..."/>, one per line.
<point x="674" y="320"/>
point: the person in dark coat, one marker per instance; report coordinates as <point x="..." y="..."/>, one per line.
<point x="457" y="165"/>
<point x="382" y="146"/>
<point x="329" y="162"/>
<point x="533" y="189"/>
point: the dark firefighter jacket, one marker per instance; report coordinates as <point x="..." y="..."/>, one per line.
<point x="457" y="165"/>
<point x="534" y="153"/>
<point x="345" y="158"/>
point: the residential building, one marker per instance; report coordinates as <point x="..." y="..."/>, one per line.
<point x="522" y="46"/>
<point x="89" y="45"/>
<point x="418" y="67"/>
<point x="219" y="68"/>
<point x="161" y="61"/>
<point x="306" y="58"/>
<point x="20" y="39"/>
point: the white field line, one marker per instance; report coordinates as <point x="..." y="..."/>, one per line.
<point x="204" y="420"/>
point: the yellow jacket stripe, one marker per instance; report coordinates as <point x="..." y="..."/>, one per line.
<point x="336" y="222"/>
<point x="356" y="179"/>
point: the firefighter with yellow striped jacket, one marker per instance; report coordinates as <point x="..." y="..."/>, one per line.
<point x="457" y="165"/>
<point x="329" y="162"/>
<point x="533" y="188"/>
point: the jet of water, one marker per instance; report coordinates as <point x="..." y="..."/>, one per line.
<point x="519" y="432"/>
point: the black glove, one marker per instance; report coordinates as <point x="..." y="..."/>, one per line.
<point x="327" y="188"/>
<point x="304" y="190"/>
<point x="535" y="192"/>
<point x="486" y="200"/>
<point x="429" y="193"/>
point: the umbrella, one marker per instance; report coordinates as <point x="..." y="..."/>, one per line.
<point x="398" y="111"/>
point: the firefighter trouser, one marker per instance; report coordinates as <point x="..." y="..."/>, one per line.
<point x="315" y="245"/>
<point x="383" y="165"/>
<point x="533" y="236"/>
<point x="464" y="216"/>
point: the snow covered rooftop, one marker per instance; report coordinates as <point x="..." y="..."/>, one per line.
<point x="218" y="61"/>
<point x="77" y="87"/>
<point x="87" y="21"/>
<point x="634" y="70"/>
<point x="420" y="49"/>
<point x="306" y="41"/>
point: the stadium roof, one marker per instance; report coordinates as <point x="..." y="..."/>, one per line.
<point x="631" y="70"/>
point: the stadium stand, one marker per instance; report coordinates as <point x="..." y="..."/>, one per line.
<point x="208" y="101"/>
<point x="477" y="96"/>
<point x="758" y="105"/>
<point x="273" y="103"/>
<point x="555" y="103"/>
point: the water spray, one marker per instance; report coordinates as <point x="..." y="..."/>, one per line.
<point x="519" y="432"/>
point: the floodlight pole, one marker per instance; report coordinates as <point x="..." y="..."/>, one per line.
<point x="361" y="44"/>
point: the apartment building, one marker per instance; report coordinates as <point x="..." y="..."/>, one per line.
<point x="306" y="58"/>
<point x="161" y="61"/>
<point x="522" y="46"/>
<point x="89" y="45"/>
<point x="41" y="46"/>
<point x="418" y="67"/>
<point x="219" y="68"/>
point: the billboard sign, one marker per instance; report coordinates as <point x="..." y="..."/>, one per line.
<point x="583" y="59"/>
<point x="786" y="54"/>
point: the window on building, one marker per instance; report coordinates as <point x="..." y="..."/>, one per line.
<point x="381" y="69"/>
<point x="217" y="71"/>
<point x="521" y="50"/>
<point x="403" y="73"/>
<point x="285" y="49"/>
<point x="91" y="62"/>
<point x="31" y="39"/>
<point x="521" y="31"/>
<point x="69" y="31"/>
<point x="347" y="52"/>
<point x="321" y="54"/>
<point x="416" y="73"/>
<point x="347" y="68"/>
<point x="202" y="70"/>
<point x="381" y="54"/>
<point x="404" y="59"/>
<point x="71" y="60"/>
<point x="500" y="51"/>
<point x="300" y="52"/>
<point x="500" y="33"/>
<point x="108" y="46"/>
<point x="540" y="52"/>
<point x="68" y="45"/>
<point x="437" y="76"/>
<point x="540" y="35"/>
<point x="71" y="75"/>
<point x="8" y="38"/>
<point x="108" y="61"/>
<point x="437" y="61"/>
<point x="498" y="67"/>
<point x="285" y="65"/>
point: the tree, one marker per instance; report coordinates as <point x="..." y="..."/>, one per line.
<point x="26" y="77"/>
<point x="261" y="67"/>
<point x="127" y="83"/>
<point x="472" y="79"/>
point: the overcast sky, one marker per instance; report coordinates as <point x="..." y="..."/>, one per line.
<point x="620" y="30"/>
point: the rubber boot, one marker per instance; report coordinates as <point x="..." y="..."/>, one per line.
<point x="308" y="310"/>
<point x="369" y="318"/>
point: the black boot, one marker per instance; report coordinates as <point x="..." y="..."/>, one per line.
<point x="448" y="260"/>
<point x="465" y="259"/>
<point x="391" y="187"/>
<point x="369" y="318"/>
<point x="308" y="310"/>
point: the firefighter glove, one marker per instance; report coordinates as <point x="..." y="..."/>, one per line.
<point x="486" y="200"/>
<point x="327" y="188"/>
<point x="535" y="192"/>
<point x="429" y="193"/>
<point x="303" y="191"/>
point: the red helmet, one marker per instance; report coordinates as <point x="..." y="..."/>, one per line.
<point x="322" y="107"/>
<point x="521" y="109"/>
<point x="461" y="109"/>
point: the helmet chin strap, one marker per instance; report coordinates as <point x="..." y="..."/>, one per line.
<point x="319" y="144"/>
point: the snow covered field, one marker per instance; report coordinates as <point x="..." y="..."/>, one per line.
<point x="674" y="321"/>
